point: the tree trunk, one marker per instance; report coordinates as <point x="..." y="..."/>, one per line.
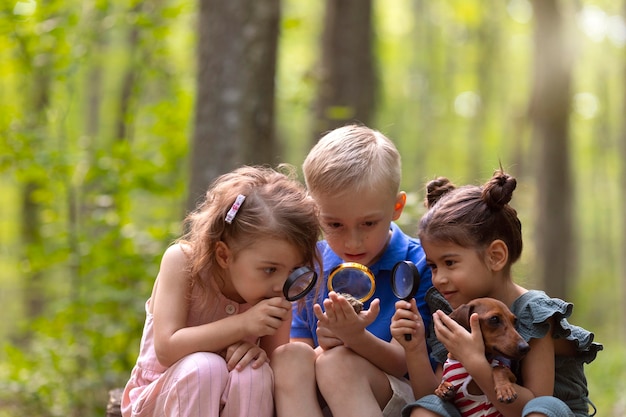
<point x="622" y="149"/>
<point x="38" y="99"/>
<point x="347" y="79"/>
<point x="549" y="112"/>
<point x="234" y="115"/>
<point x="127" y="96"/>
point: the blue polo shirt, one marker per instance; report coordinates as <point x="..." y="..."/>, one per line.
<point x="401" y="248"/>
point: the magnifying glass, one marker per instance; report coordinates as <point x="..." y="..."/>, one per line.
<point x="352" y="278"/>
<point x="299" y="283"/>
<point x="405" y="280"/>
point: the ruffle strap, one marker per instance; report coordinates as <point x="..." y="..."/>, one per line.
<point x="534" y="309"/>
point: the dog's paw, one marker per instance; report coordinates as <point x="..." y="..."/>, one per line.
<point x="445" y="391"/>
<point x="506" y="393"/>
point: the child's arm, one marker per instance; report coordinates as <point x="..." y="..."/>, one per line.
<point x="271" y="342"/>
<point x="407" y="320"/>
<point x="174" y="340"/>
<point x="340" y="318"/>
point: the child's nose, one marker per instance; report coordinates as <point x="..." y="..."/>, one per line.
<point x="353" y="240"/>
<point x="278" y="286"/>
<point x="438" y="279"/>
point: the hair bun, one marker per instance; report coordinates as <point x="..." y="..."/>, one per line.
<point x="436" y="188"/>
<point x="499" y="190"/>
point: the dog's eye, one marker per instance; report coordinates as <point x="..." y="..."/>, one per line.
<point x="494" y="320"/>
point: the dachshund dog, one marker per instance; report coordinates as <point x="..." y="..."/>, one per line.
<point x="502" y="344"/>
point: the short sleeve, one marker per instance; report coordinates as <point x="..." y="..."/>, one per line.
<point x="534" y="309"/>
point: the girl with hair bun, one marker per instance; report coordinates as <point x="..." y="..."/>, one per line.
<point x="472" y="236"/>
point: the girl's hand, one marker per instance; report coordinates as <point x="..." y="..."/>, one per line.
<point x="464" y="346"/>
<point x="341" y="319"/>
<point x="407" y="320"/>
<point x="265" y="317"/>
<point x="240" y="354"/>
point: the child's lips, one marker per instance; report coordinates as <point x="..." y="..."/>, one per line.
<point x="354" y="258"/>
<point x="448" y="294"/>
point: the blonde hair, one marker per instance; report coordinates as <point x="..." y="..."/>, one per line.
<point x="275" y="206"/>
<point x="354" y="158"/>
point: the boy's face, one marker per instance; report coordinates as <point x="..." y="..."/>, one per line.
<point x="356" y="227"/>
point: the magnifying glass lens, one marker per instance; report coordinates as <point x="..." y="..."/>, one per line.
<point x="354" y="279"/>
<point x="299" y="283"/>
<point x="403" y="281"/>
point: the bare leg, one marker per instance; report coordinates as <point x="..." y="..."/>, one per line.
<point x="295" y="386"/>
<point x="422" y="412"/>
<point x="351" y="385"/>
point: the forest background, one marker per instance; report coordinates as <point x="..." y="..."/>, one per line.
<point x="115" y="115"/>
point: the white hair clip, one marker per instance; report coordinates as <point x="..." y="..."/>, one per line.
<point x="234" y="208"/>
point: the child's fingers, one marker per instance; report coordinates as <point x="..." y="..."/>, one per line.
<point x="256" y="357"/>
<point x="475" y="326"/>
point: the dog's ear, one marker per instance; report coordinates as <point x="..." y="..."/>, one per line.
<point x="462" y="314"/>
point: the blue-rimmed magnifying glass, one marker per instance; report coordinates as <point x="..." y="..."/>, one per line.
<point x="352" y="278"/>
<point x="405" y="280"/>
<point x="299" y="283"/>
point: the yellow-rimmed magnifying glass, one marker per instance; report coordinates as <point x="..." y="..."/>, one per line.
<point x="352" y="278"/>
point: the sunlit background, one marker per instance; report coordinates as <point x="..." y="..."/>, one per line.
<point x="455" y="83"/>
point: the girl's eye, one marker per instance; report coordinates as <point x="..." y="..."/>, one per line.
<point x="432" y="266"/>
<point x="270" y="270"/>
<point x="450" y="262"/>
<point x="333" y="225"/>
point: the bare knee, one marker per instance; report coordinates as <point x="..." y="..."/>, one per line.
<point x="293" y="362"/>
<point x="336" y="366"/>
<point x="337" y="361"/>
<point x="292" y="351"/>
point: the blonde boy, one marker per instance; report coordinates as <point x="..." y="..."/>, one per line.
<point x="343" y="362"/>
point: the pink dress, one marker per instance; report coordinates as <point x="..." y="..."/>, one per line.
<point x="198" y="385"/>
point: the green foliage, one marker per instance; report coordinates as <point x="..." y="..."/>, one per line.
<point x="109" y="184"/>
<point x="606" y="380"/>
<point x="102" y="220"/>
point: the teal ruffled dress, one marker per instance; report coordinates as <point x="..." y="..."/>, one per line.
<point x="534" y="309"/>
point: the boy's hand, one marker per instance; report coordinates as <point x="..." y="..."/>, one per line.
<point x="240" y="354"/>
<point x="265" y="317"/>
<point x="325" y="337"/>
<point x="407" y="320"/>
<point x="341" y="319"/>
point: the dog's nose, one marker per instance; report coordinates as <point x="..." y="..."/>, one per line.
<point x="523" y="347"/>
